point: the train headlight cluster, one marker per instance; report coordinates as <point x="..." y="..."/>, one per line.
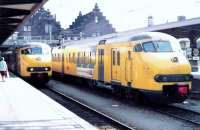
<point x="173" y="78"/>
<point x="38" y="69"/>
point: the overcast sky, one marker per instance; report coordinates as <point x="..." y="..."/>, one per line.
<point x="125" y="14"/>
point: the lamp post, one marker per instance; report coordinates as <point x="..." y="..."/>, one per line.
<point x="50" y="32"/>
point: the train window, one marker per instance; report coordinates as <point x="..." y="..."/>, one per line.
<point x="163" y="46"/>
<point x="66" y="57"/>
<point x="36" y="50"/>
<point x="140" y="37"/>
<point x="53" y="56"/>
<point x="73" y="57"/>
<point x="32" y="51"/>
<point x="138" y="48"/>
<point x="69" y="57"/>
<point x="26" y="51"/>
<point x="118" y="58"/>
<point x="90" y="61"/>
<point x="113" y="57"/>
<point x="58" y="57"/>
<point x="149" y="47"/>
<point x="102" y="42"/>
<point x="93" y="57"/>
<point x="129" y="55"/>
<point x="84" y="58"/>
<point x="78" y="59"/>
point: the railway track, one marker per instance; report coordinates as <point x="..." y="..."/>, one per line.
<point x="96" y="118"/>
<point x="180" y="113"/>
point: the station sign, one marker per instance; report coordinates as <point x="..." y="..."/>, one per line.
<point x="195" y="57"/>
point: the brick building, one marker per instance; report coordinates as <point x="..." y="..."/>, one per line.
<point x="42" y="25"/>
<point x="89" y="25"/>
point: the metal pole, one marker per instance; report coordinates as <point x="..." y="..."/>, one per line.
<point x="50" y="33"/>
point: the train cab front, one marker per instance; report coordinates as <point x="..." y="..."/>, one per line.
<point x="36" y="63"/>
<point x="175" y="88"/>
<point x="165" y="70"/>
<point x="169" y="85"/>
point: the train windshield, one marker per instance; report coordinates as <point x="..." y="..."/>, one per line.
<point x="32" y="51"/>
<point x="157" y="46"/>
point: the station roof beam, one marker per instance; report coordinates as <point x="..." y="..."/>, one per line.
<point x="13" y="13"/>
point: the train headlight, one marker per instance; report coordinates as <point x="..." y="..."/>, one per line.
<point x="46" y="69"/>
<point x="173" y="78"/>
<point x="164" y="79"/>
<point x="31" y="69"/>
<point x="161" y="78"/>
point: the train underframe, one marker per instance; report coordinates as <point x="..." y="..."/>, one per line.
<point x="169" y="94"/>
<point x="37" y="78"/>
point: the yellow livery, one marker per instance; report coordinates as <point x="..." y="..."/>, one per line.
<point x="31" y="61"/>
<point x="148" y="63"/>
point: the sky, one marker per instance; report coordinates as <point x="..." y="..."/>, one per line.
<point x="125" y="14"/>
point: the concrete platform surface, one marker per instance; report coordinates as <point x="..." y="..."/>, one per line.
<point x="190" y="104"/>
<point x="24" y="107"/>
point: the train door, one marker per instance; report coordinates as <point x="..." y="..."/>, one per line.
<point x="115" y="65"/>
<point x="101" y="64"/>
<point x="128" y="67"/>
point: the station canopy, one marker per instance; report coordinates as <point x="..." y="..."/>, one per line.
<point x="13" y="13"/>
<point x="188" y="28"/>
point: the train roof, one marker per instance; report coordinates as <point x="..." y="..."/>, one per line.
<point x="117" y="38"/>
<point x="28" y="44"/>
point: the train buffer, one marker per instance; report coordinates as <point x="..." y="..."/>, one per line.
<point x="24" y="107"/>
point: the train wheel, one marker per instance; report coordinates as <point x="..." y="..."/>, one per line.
<point x="128" y="93"/>
<point x="117" y="90"/>
<point x="140" y="98"/>
<point x="91" y="83"/>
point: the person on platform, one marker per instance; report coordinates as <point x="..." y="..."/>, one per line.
<point x="3" y="69"/>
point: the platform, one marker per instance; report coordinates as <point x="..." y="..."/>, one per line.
<point x="24" y="107"/>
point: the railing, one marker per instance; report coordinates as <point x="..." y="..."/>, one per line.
<point x="21" y="42"/>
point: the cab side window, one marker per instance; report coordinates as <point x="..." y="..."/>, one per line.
<point x="138" y="48"/>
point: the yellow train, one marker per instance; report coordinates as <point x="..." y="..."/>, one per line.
<point x="149" y="64"/>
<point x="30" y="61"/>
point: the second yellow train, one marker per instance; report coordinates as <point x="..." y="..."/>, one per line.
<point x="30" y="61"/>
<point x="150" y="64"/>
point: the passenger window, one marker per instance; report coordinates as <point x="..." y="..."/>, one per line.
<point x="93" y="57"/>
<point x="138" y="48"/>
<point x="78" y="59"/>
<point x="84" y="58"/>
<point x="73" y="57"/>
<point x="59" y="57"/>
<point x="113" y="57"/>
<point x="118" y="58"/>
<point x="66" y="58"/>
<point x="69" y="57"/>
<point x="90" y="60"/>
<point x="129" y="55"/>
